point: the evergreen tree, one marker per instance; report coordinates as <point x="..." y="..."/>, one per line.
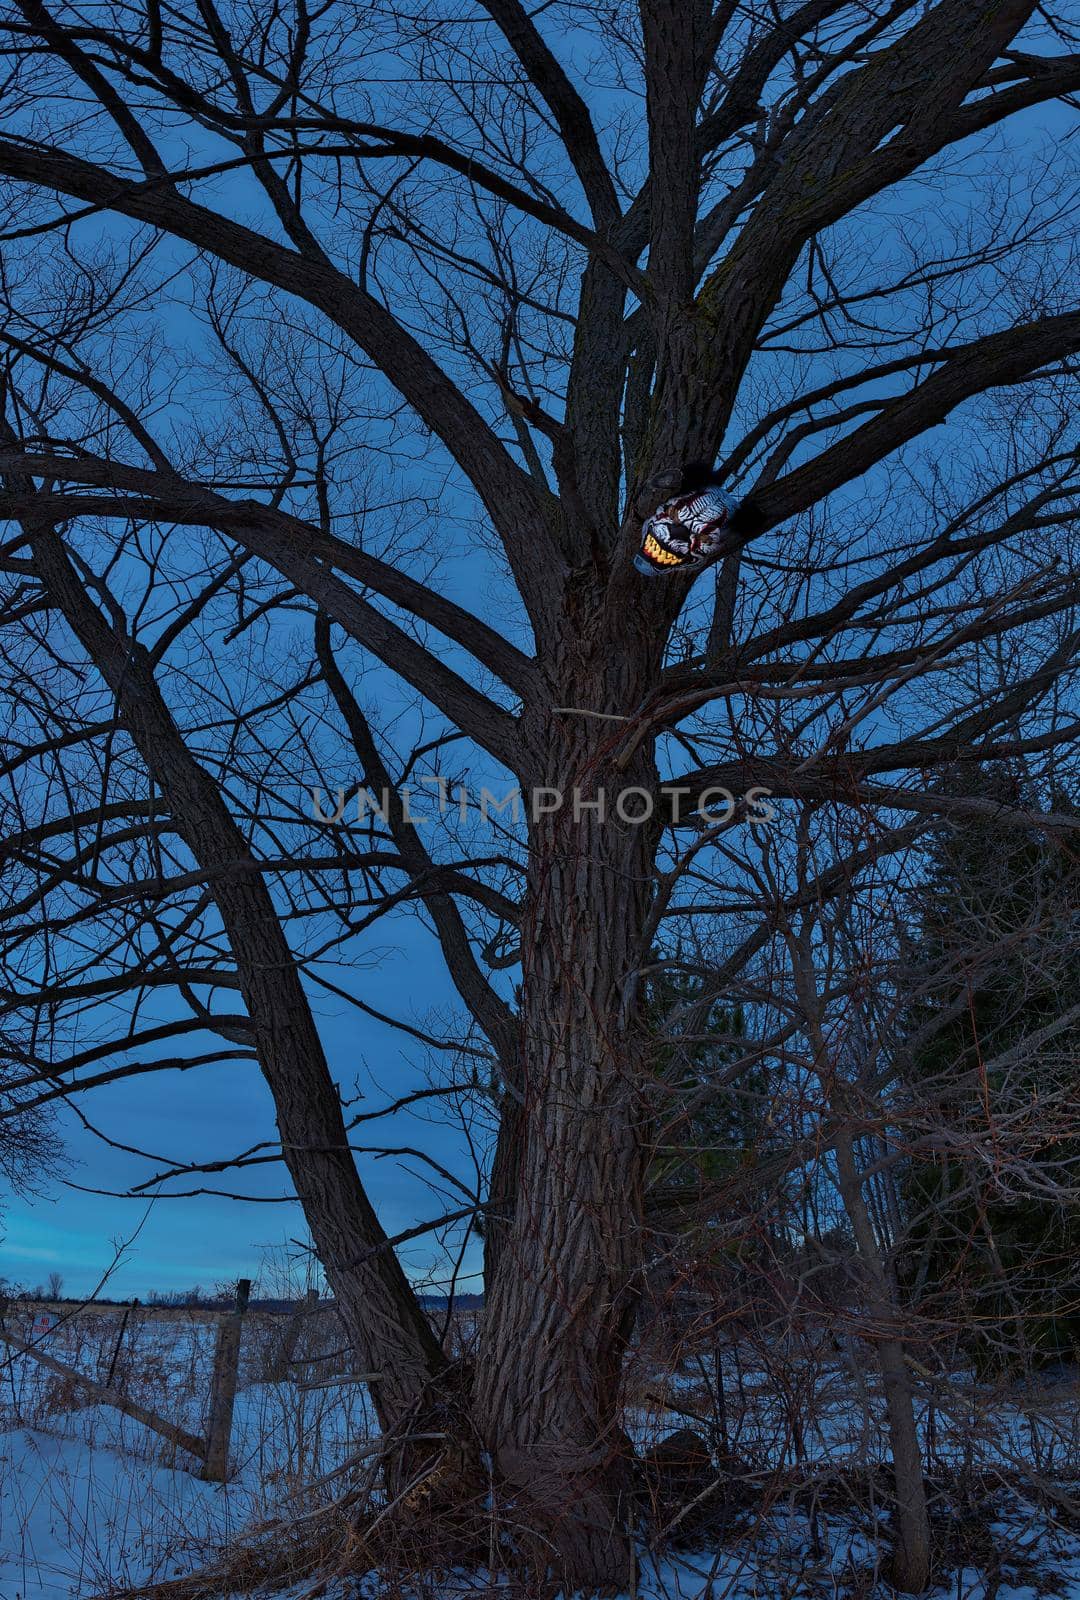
<point x="994" y="971"/>
<point x="717" y="1132"/>
<point x="710" y="1214"/>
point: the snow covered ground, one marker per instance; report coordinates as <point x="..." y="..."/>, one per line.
<point x="76" y="1516"/>
<point x="89" y="1500"/>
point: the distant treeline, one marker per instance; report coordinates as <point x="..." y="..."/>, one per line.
<point x="200" y="1300"/>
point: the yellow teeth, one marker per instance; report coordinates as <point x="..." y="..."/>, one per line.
<point x="656" y="552"/>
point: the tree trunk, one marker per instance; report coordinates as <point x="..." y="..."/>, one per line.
<point x="911" y="1558"/>
<point x="562" y="1302"/>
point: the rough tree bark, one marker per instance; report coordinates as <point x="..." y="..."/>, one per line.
<point x="561" y="1305"/>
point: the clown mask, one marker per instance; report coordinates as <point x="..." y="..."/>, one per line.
<point x="684" y="534"/>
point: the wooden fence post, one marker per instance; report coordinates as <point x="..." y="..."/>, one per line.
<point x="119" y="1341"/>
<point x="16" y="1410"/>
<point x="223" y="1388"/>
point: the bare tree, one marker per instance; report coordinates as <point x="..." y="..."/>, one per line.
<point x="544" y="307"/>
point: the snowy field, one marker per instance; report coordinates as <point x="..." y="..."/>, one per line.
<point x="91" y="1501"/>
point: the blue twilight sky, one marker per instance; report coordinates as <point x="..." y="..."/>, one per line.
<point x="212" y="1112"/>
<point x="173" y="1244"/>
